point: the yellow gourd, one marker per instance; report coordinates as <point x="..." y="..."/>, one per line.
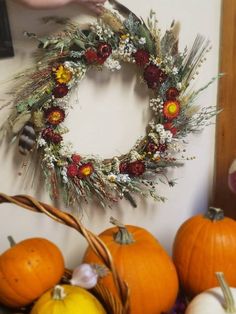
<point x="66" y="299"/>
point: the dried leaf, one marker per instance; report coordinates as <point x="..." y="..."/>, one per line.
<point x="79" y="43"/>
<point x="144" y="32"/>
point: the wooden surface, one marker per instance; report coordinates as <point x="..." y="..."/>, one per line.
<point x="226" y="122"/>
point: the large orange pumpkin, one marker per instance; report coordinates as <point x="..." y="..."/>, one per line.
<point x="27" y="270"/>
<point x="144" y="265"/>
<point x="203" y="245"/>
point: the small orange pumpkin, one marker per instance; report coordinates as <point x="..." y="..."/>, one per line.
<point x="27" y="270"/>
<point x="204" y="245"/>
<point x="143" y="264"/>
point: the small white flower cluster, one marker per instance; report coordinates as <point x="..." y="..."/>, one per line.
<point x="154" y="137"/>
<point x="175" y="70"/>
<point x="176" y="146"/>
<point x="122" y="178"/>
<point x="64" y="175"/>
<point x="66" y="149"/>
<point x="126" y="49"/>
<point x="179" y="86"/>
<point x="112" y="64"/>
<point x="78" y="70"/>
<point x="169" y="61"/>
<point x="41" y="142"/>
<point x="142" y="41"/>
<point x="170" y="65"/>
<point x="63" y="102"/>
<point x="165" y="136"/>
<point x="48" y="158"/>
<point x="103" y="31"/>
<point x="156" y="105"/>
<point x="157" y="155"/>
<point x="134" y="155"/>
<point x="79" y="73"/>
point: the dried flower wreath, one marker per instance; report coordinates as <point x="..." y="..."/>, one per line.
<point x="118" y="37"/>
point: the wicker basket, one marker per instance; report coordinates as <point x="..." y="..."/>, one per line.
<point x="113" y="305"/>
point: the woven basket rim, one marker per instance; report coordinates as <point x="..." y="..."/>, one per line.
<point x="115" y="305"/>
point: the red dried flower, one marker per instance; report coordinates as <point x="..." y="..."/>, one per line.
<point x="85" y="170"/>
<point x="60" y="91"/>
<point x="104" y="50"/>
<point x="151" y="147"/>
<point x="153" y="75"/>
<point x="141" y="57"/>
<point x="171" y="109"/>
<point x="55" y="115"/>
<point x="101" y="60"/>
<point x="47" y="134"/>
<point x="123" y="167"/>
<point x="162" y="148"/>
<point x="72" y="170"/>
<point x="91" y="55"/>
<point x="56" y="138"/>
<point x="172" y="93"/>
<point x="170" y="127"/>
<point x="76" y="158"/>
<point x="136" y="168"/>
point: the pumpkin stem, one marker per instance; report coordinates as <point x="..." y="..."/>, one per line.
<point x="228" y="297"/>
<point x="215" y="214"/>
<point x="11" y="241"/>
<point x="58" y="293"/>
<point x="123" y="236"/>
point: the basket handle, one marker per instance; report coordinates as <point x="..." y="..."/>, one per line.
<point x="94" y="241"/>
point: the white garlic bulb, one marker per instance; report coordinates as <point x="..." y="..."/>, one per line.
<point x="84" y="276"/>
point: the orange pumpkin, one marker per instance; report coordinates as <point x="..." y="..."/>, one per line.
<point x="203" y="245"/>
<point x="27" y="270"/>
<point x="144" y="265"/>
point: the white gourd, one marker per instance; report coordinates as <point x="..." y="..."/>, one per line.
<point x="219" y="300"/>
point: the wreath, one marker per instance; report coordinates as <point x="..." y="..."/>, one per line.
<point x="41" y="104"/>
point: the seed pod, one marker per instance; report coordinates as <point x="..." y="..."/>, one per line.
<point x="27" y="139"/>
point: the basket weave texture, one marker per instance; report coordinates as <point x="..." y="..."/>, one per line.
<point x="112" y="304"/>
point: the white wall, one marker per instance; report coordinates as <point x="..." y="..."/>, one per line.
<point x="104" y="116"/>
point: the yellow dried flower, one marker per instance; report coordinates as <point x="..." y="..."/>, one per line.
<point x="124" y="36"/>
<point x="62" y="74"/>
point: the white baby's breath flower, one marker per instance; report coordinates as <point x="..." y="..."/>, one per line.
<point x="66" y="149"/>
<point x="159" y="128"/>
<point x="169" y="136"/>
<point x="142" y="41"/>
<point x="179" y="85"/>
<point x="41" y="142"/>
<point x="123" y="178"/>
<point x="112" y="64"/>
<point x="156" y="155"/>
<point x="65" y="179"/>
<point x="175" y="70"/>
<point x="134" y="155"/>
<point x="154" y="137"/>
